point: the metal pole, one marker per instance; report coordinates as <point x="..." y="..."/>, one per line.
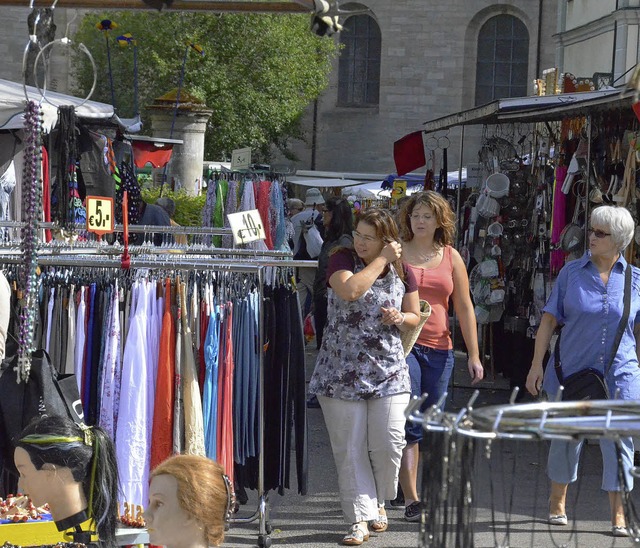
<point x="457" y="245"/>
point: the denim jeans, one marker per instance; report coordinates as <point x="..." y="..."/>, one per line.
<point x="430" y="370"/>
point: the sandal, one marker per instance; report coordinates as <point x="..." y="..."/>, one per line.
<point x="381" y="524"/>
<point x="356" y="536"/>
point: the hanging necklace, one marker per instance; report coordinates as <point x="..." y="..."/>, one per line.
<point x="427" y="258"/>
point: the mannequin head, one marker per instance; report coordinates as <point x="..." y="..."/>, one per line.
<point x="71" y="468"/>
<point x="189" y="500"/>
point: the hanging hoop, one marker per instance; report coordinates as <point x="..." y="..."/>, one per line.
<point x="432" y="143"/>
<point x="444" y="142"/>
<point x="66" y="42"/>
<point x="25" y="56"/>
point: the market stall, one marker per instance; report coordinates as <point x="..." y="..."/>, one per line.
<point x="544" y="162"/>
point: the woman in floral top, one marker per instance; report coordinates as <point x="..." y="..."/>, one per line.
<point x="361" y="378"/>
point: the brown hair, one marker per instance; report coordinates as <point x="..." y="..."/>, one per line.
<point x="202" y="491"/>
<point x="386" y="230"/>
<point x="445" y="217"/>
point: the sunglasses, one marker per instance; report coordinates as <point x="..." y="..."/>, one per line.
<point x="598" y="233"/>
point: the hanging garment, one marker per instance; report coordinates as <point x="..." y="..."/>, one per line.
<point x="178" y="415"/>
<point x="112" y="363"/>
<point x="71" y="331"/>
<point x="80" y="338"/>
<point x="162" y="431"/>
<point x="132" y="444"/>
<point x="193" y="421"/>
<point x="210" y="396"/>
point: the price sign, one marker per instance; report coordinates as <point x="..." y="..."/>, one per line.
<point x="399" y="189"/>
<point x="99" y="214"/>
<point x="241" y="159"/>
<point x="246" y="226"/>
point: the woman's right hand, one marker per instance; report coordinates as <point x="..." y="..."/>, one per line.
<point x="534" y="379"/>
<point x="391" y="252"/>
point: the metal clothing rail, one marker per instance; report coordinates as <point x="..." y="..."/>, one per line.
<point x="178" y="262"/>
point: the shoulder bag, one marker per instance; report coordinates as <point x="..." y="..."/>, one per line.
<point x="590" y="383"/>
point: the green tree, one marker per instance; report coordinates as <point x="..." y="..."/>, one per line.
<point x="258" y="73"/>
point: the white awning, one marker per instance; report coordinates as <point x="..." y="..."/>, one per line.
<point x="13" y="100"/>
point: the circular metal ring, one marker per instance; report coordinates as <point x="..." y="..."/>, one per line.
<point x="66" y="42"/>
<point x="444" y="142"/>
<point x="432" y="143"/>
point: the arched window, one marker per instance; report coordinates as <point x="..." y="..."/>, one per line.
<point x="503" y="59"/>
<point x="359" y="66"/>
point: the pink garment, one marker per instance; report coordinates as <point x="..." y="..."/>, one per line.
<point x="262" y="199"/>
<point x="559" y="220"/>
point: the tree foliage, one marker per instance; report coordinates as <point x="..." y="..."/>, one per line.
<point x="258" y="73"/>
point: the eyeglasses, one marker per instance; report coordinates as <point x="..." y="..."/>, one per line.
<point x="598" y="233"/>
<point x="359" y="236"/>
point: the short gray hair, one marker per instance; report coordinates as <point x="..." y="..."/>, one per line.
<point x="618" y="221"/>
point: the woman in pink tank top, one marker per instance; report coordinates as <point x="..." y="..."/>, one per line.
<point x="427" y="227"/>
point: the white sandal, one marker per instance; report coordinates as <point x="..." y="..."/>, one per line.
<point x="356" y="536"/>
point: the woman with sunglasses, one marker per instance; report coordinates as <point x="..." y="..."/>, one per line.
<point x="587" y="300"/>
<point x="189" y="503"/>
<point x="361" y="378"/>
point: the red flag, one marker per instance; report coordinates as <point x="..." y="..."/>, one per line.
<point x="408" y="153"/>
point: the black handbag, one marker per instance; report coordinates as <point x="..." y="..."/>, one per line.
<point x="46" y="393"/>
<point x="589" y="383"/>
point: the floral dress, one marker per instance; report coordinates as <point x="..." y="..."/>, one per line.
<point x="361" y="358"/>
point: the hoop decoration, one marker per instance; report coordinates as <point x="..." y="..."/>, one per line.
<point x="25" y="56"/>
<point x="66" y="42"/>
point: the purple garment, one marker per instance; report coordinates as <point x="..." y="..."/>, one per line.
<point x="591" y="313"/>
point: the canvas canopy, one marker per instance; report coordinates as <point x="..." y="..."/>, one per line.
<point x="12" y="103"/>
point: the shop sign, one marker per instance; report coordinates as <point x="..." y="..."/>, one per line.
<point x="246" y="226"/>
<point x="474" y="175"/>
<point x="99" y="214"/>
<point x="240" y="159"/>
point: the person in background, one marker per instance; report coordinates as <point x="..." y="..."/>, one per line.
<point x="294" y="206"/>
<point x="361" y="378"/>
<point x="427" y="227"/>
<point x="587" y="300"/>
<point x="152" y="215"/>
<point x="169" y="206"/>
<point x="314" y="203"/>
<point x="338" y="227"/>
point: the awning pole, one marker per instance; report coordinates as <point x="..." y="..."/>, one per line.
<point x="587" y="184"/>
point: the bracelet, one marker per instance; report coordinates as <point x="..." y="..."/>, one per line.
<point x="403" y="318"/>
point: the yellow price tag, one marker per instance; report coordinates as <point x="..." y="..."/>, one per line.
<point x="399" y="189"/>
<point x="99" y="214"/>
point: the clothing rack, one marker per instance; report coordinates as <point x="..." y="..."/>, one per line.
<point x="179" y="263"/>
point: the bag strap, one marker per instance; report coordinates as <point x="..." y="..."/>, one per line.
<point x="621" y="328"/>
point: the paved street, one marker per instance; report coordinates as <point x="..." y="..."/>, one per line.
<point x="511" y="495"/>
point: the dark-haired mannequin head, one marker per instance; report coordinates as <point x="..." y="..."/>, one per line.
<point x="188" y="503"/>
<point x="73" y="469"/>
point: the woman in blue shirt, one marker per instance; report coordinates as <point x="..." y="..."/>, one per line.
<point x="587" y="301"/>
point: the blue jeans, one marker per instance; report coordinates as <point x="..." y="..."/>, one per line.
<point x="430" y="370"/>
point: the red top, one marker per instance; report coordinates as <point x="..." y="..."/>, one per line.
<point x="435" y="285"/>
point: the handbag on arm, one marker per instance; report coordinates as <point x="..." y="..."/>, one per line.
<point x="590" y="383"/>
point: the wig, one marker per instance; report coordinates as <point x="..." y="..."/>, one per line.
<point x="618" y="222"/>
<point x="341" y="222"/>
<point x="203" y="491"/>
<point x="445" y="217"/>
<point x="386" y="230"/>
<point x="89" y="454"/>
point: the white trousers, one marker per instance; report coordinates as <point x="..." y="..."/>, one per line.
<point x="367" y="439"/>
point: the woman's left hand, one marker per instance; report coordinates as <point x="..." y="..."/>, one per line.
<point x="476" y="371"/>
<point x="391" y="316"/>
